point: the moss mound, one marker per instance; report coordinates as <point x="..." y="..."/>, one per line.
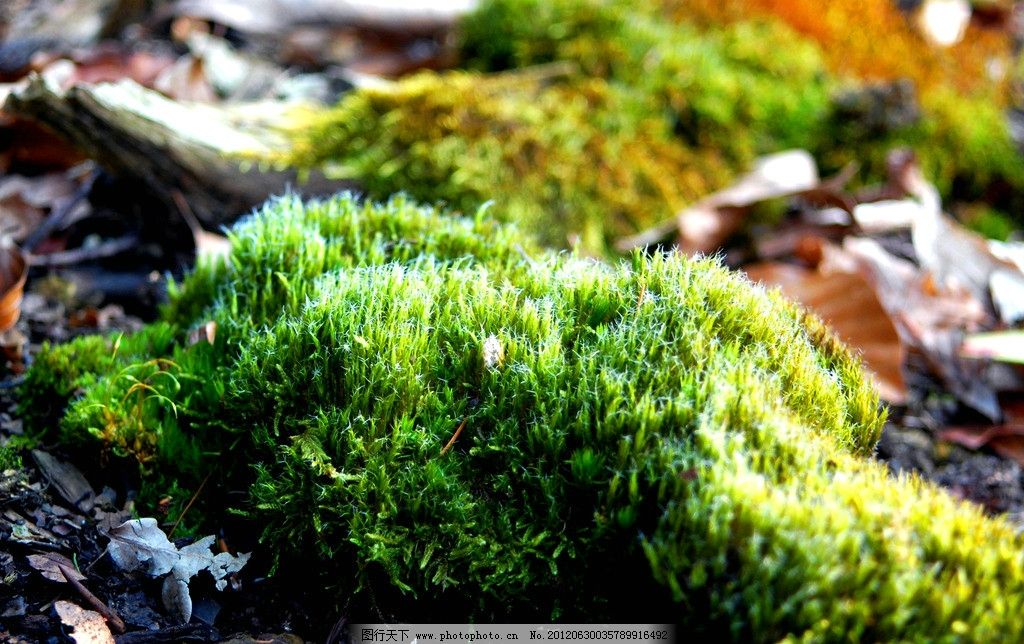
<point x="662" y="105"/>
<point x="557" y="157"/>
<point x="652" y="116"/>
<point x="776" y="82"/>
<point x="451" y="424"/>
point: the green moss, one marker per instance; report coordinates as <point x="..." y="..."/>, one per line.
<point x="740" y="89"/>
<point x="658" y="429"/>
<point x="654" y="117"/>
<point x="10" y="459"/>
<point x="989" y="223"/>
<point x="657" y="114"/>
<point x="571" y="157"/>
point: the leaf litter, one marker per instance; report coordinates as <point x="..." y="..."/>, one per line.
<point x="141" y="545"/>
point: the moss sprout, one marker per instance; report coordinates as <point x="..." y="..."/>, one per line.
<point x="450" y="422"/>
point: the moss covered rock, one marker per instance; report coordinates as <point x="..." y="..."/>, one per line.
<point x="452" y="424"/>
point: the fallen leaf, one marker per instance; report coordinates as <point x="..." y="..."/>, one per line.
<point x="847" y="303"/>
<point x="704" y="226"/>
<point x="887" y="215"/>
<point x="1007" y="440"/>
<point x="957" y="257"/>
<point x="1001" y="346"/>
<point x="929" y="322"/>
<point x="141" y="545"/>
<point x="279" y="17"/>
<point x="707" y="224"/>
<point x="186" y="80"/>
<point x="203" y="333"/>
<point x="176" y="599"/>
<point x="13" y="271"/>
<point x="89" y="627"/>
<point x="48" y="566"/>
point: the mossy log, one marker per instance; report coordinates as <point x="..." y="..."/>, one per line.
<point x="169" y="146"/>
<point x="452" y="424"/>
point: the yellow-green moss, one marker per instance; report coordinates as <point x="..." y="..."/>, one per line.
<point x="558" y="157"/>
<point x="649" y="117"/>
<point x="658" y="113"/>
<point x="658" y="430"/>
<point x="783" y="77"/>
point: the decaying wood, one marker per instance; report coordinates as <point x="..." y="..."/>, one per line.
<point x="275" y="17"/>
<point x="66" y="479"/>
<point x="170" y="146"/>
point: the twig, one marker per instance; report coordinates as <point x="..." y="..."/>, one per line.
<point x="186" y="213"/>
<point x="58" y="215"/>
<point x="189" y="505"/>
<point x="78" y="255"/>
<point x="115" y="622"/>
<point x="454" y="437"/>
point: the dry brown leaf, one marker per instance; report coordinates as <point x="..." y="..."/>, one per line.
<point x="929" y="322"/>
<point x="13" y="271"/>
<point x="1007" y="440"/>
<point x="957" y="257"/>
<point x="203" y="333"/>
<point x="848" y="305"/>
<point x="89" y="626"/>
<point x="186" y="80"/>
<point x="707" y="224"/>
<point x="48" y="565"/>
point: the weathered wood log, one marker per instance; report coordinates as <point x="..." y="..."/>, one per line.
<point x="171" y="147"/>
<point x="277" y="17"/>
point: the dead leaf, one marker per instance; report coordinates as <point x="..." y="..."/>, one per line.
<point x="955" y="256"/>
<point x="1007" y="440"/>
<point x="48" y="565"/>
<point x="176" y="599"/>
<point x="141" y="545"/>
<point x="887" y="215"/>
<point x="203" y="333"/>
<point x="707" y="224"/>
<point x="186" y="80"/>
<point x="13" y="271"/>
<point x="928" y="322"/>
<point x="89" y="627"/>
<point x="704" y="226"/>
<point x="279" y="17"/>
<point x="848" y="305"/>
